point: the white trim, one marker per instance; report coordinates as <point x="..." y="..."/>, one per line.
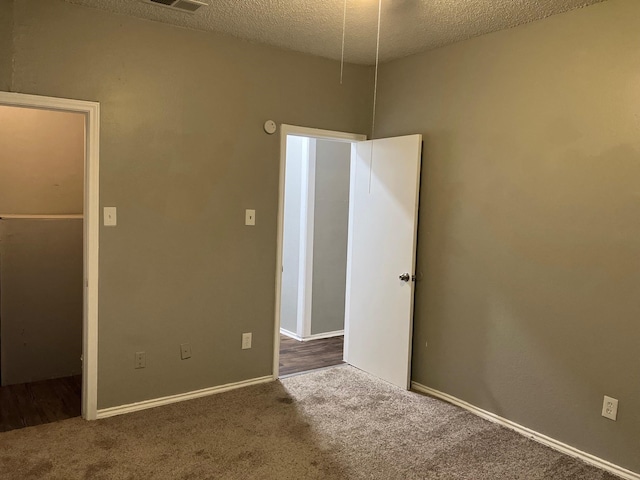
<point x="532" y="434"/>
<point x="13" y="216"/>
<point x="91" y="110"/>
<point x="307" y="229"/>
<point x="316" y="336"/>
<point x="286" y="130"/>
<point x="321" y="134"/>
<point x="287" y="333"/>
<point x="319" y="336"/>
<point x="180" y="397"/>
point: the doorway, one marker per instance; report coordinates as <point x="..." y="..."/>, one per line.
<point x="314" y="261"/>
<point x="383" y="194"/>
<point x="49" y="261"/>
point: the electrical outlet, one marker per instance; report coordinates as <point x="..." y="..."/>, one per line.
<point x="140" y="360"/>
<point x="246" y="341"/>
<point x="185" y="351"/>
<point x="610" y="408"/>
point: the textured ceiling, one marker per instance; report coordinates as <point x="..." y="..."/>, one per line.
<point x="315" y="26"/>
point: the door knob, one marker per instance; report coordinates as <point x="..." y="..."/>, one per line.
<point x="405" y="277"/>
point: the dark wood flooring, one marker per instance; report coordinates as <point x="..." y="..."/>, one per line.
<point x="29" y="404"/>
<point x="296" y="357"/>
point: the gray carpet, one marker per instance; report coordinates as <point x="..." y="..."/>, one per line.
<point x="337" y="423"/>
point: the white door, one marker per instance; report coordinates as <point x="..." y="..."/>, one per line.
<point x="382" y="244"/>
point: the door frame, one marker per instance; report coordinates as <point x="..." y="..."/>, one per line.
<point x="315" y="133"/>
<point x="91" y="111"/>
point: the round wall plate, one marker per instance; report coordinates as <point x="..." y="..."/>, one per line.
<point x="270" y="127"/>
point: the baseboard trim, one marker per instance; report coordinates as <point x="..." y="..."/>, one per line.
<point x="289" y="334"/>
<point x="527" y="432"/>
<point x="181" y="397"/>
<point x="317" y="336"/>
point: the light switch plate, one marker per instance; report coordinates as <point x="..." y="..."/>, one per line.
<point x="185" y="351"/>
<point x="110" y="219"/>
<point x="246" y="341"/>
<point x="250" y="217"/>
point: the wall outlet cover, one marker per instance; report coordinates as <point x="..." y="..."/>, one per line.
<point x="140" y="360"/>
<point x="246" y="341"/>
<point x="610" y="408"/>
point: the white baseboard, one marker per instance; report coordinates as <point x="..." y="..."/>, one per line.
<point x="317" y="336"/>
<point x="181" y="397"/>
<point x="532" y="434"/>
<point x="289" y="334"/>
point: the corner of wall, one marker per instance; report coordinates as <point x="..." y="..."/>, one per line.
<point x="7" y="50"/>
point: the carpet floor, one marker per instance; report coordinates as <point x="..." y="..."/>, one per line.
<point x="337" y="423"/>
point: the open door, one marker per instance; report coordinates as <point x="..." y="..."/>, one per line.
<point x="381" y="254"/>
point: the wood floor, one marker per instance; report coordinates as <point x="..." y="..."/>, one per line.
<point x="29" y="404"/>
<point x="296" y="357"/>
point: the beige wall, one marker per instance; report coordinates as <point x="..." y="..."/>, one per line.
<point x="331" y="223"/>
<point x="183" y="154"/>
<point x="41" y="299"/>
<point x="41" y="161"/>
<point x="529" y="238"/>
<point x="6" y="19"/>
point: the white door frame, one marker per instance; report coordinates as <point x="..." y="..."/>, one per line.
<point x="286" y="130"/>
<point x="91" y="111"/>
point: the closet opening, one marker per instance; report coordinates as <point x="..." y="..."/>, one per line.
<point x="48" y="259"/>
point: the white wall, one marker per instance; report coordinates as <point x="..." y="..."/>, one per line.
<point x="297" y="155"/>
